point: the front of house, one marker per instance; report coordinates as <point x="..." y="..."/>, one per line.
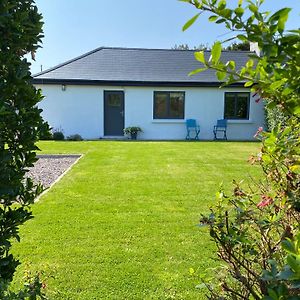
<point x="100" y="93"/>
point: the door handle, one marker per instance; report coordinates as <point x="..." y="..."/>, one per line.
<point x="122" y="113"/>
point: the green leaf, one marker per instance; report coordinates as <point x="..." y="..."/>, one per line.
<point x="253" y="8"/>
<point x="216" y="52"/>
<point x="250" y="64"/>
<point x="231" y="64"/>
<point x="199" y="55"/>
<point x="221" y="21"/>
<point x="266" y="275"/>
<point x="287" y="91"/>
<point x="277" y="84"/>
<point x="199" y="4"/>
<point x="272" y="294"/>
<point x="226" y="13"/>
<point x="221" y="75"/>
<point x="294" y="31"/>
<point x="293" y="263"/>
<point x="279" y="14"/>
<point x="239" y="11"/>
<point x="238" y="26"/>
<point x="197" y="71"/>
<point x="248" y="83"/>
<point x="242" y="37"/>
<point x="288" y="246"/>
<point x="285" y="274"/>
<point x="213" y="18"/>
<point x="222" y="4"/>
<point x="190" y="22"/>
<point x="282" y="21"/>
<point x="281" y="17"/>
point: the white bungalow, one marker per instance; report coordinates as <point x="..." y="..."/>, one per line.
<point x="101" y="92"/>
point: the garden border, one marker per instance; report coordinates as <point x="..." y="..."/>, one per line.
<point x="79" y="156"/>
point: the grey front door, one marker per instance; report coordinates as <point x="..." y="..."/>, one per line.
<point x="113" y="113"/>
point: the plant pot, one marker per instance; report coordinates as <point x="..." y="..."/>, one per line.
<point x="133" y="135"/>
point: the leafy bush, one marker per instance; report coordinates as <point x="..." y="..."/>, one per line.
<point x="274" y="116"/>
<point x="58" y="136"/>
<point x="20" y="125"/>
<point x="74" y="137"/>
<point x="132" y="130"/>
<point x="33" y="288"/>
<point x="256" y="228"/>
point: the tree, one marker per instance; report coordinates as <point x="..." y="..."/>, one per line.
<point x="20" y="127"/>
<point x="239" y="47"/>
<point x="187" y="47"/>
<point x="256" y="227"/>
<point x="245" y="46"/>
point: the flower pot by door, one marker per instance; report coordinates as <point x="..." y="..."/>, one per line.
<point x="133" y="135"/>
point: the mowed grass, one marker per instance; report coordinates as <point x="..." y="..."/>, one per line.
<point x="122" y="224"/>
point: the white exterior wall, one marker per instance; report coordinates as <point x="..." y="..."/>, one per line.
<point x="79" y="109"/>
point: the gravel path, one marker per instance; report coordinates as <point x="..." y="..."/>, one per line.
<point x="49" y="167"/>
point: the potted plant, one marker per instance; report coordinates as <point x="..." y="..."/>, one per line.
<point x="132" y="131"/>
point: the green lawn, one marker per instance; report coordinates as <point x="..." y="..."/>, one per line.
<point x="122" y="224"/>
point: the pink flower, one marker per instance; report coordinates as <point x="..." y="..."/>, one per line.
<point x="259" y="156"/>
<point x="257" y="94"/>
<point x="259" y="130"/>
<point x="266" y="200"/>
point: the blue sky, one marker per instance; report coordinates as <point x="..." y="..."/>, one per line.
<point x="73" y="27"/>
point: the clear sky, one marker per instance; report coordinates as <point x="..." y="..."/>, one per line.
<point x="73" y="27"/>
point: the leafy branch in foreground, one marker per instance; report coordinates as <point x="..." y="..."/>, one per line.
<point x="274" y="73"/>
<point x="256" y="228"/>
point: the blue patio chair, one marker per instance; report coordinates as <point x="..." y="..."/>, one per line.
<point x="221" y="127"/>
<point x="192" y="129"/>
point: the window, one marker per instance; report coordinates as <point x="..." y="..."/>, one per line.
<point x="114" y="100"/>
<point x="236" y="106"/>
<point x="168" y="105"/>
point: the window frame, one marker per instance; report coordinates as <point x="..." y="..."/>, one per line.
<point x="235" y="105"/>
<point x="169" y="117"/>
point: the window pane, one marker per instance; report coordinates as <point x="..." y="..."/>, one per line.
<point x="177" y="105"/>
<point x="229" y="110"/>
<point x="114" y="100"/>
<point x="236" y="106"/>
<point x="242" y="106"/>
<point x="160" y="105"/>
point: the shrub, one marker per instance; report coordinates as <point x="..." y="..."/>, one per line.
<point x="256" y="227"/>
<point x="58" y="136"/>
<point x="34" y="288"/>
<point x="21" y="126"/>
<point x="274" y="116"/>
<point x="74" y="137"/>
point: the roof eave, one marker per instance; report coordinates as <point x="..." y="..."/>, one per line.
<point x="133" y="83"/>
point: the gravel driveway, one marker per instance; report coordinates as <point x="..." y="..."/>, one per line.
<point x="49" y="167"/>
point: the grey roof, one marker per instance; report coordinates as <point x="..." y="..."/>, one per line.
<point x="136" y="65"/>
